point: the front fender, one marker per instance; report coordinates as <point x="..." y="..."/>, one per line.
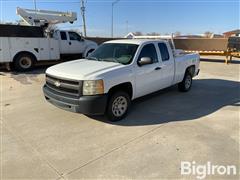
<point x="88" y="49"/>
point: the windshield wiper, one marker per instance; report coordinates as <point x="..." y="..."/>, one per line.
<point x="115" y="60"/>
<point x="106" y="60"/>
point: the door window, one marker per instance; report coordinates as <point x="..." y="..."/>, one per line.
<point x="149" y="50"/>
<point x="164" y="51"/>
<point x="74" y="36"/>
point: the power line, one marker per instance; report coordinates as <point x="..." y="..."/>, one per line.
<point x="110" y="1"/>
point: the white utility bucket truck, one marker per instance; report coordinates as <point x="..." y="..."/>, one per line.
<point x="23" y="46"/>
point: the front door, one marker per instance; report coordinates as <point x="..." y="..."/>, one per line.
<point x="77" y="44"/>
<point x="148" y="77"/>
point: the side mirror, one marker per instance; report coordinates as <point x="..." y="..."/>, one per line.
<point x="145" y="61"/>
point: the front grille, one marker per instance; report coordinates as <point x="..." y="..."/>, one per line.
<point x="64" y="86"/>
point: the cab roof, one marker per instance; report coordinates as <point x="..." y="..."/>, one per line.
<point x="135" y="41"/>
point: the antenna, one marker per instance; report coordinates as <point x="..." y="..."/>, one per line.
<point x="83" y="9"/>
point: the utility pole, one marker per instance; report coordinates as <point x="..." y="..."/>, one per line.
<point x="83" y="17"/>
<point x="35" y="5"/>
<point x="113" y="3"/>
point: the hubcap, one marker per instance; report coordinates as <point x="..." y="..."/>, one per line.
<point x="25" y="62"/>
<point x="188" y="82"/>
<point x="119" y="106"/>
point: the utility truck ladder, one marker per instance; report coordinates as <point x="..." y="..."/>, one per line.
<point x="44" y="18"/>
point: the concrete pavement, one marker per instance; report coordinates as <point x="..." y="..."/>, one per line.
<point x="40" y="141"/>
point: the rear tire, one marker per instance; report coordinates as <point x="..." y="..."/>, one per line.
<point x="24" y="62"/>
<point x="186" y="83"/>
<point x="118" y="106"/>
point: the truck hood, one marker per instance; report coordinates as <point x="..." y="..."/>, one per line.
<point x="82" y="69"/>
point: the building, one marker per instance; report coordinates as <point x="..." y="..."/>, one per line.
<point x="232" y="33"/>
<point x="136" y="36"/>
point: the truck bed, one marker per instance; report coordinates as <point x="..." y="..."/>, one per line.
<point x="185" y="60"/>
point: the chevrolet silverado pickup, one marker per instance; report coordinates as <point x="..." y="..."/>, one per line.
<point x="116" y="73"/>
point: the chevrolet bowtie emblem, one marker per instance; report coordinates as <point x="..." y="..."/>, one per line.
<point x="57" y="84"/>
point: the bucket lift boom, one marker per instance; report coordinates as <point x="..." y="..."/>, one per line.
<point x="44" y="18"/>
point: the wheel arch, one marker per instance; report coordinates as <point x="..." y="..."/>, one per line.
<point x="126" y="87"/>
<point x="24" y="52"/>
<point x="191" y="70"/>
<point x="90" y="48"/>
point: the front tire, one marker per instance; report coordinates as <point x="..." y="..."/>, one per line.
<point x="186" y="84"/>
<point x="118" y="106"/>
<point x="24" y="62"/>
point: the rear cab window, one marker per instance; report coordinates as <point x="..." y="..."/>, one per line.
<point x="63" y="35"/>
<point x="163" y="51"/>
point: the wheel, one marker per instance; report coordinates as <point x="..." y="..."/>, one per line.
<point x="118" y="106"/>
<point x="24" y="62"/>
<point x="186" y="84"/>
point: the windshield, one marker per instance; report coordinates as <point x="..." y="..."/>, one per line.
<point x="114" y="52"/>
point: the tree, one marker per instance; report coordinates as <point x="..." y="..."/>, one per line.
<point x="138" y="33"/>
<point x="52" y="27"/>
<point x="20" y="22"/>
<point x="153" y="34"/>
<point x="7" y="23"/>
<point x="177" y="33"/>
<point x="208" y="34"/>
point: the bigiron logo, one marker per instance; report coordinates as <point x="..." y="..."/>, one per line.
<point x="201" y="171"/>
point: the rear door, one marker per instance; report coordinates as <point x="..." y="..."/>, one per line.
<point x="167" y="65"/>
<point x="64" y="43"/>
<point x="148" y="77"/>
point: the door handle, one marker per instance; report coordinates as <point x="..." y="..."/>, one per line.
<point x="158" y="68"/>
<point x="70" y="43"/>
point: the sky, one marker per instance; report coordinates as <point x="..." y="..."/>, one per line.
<point x="146" y="16"/>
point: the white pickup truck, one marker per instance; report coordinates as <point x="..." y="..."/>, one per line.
<point x="22" y="46"/>
<point x="116" y="73"/>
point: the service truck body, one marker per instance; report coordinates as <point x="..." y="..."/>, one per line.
<point x="41" y="48"/>
<point x="136" y="68"/>
<point x="25" y="50"/>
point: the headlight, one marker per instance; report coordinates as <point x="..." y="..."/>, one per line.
<point x="93" y="87"/>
